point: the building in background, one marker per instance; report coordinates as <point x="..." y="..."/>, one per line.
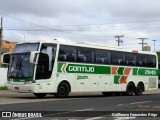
<point x="147" y="48"/>
<point x="8" y="46"/>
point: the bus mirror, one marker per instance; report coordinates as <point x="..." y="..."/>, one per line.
<point x="33" y="57"/>
<point x="5" y="58"/>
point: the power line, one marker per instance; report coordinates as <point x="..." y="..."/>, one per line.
<point x="2" y="13"/>
<point x="51" y="29"/>
<point x="29" y="29"/>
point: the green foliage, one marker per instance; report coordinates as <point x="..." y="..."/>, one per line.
<point x="3" y="88"/>
<point x="4" y="66"/>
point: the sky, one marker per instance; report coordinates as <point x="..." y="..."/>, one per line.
<point x="94" y="21"/>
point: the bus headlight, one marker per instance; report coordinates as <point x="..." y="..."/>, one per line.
<point x="30" y="82"/>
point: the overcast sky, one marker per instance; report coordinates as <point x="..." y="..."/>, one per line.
<point x="95" y="21"/>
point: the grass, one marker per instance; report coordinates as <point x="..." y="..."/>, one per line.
<point x="3" y="88"/>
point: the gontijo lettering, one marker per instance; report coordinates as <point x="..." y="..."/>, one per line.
<point x="81" y="69"/>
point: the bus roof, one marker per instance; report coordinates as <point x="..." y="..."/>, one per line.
<point x="92" y="45"/>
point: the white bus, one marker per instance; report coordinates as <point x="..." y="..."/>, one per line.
<point x="60" y="68"/>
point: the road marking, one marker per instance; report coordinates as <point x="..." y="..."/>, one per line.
<point x="158" y="106"/>
<point x="143" y="106"/>
<point x="120" y="104"/>
<point x="124" y="118"/>
<point x="56" y="114"/>
<point x="85" y="109"/>
<point x="140" y="102"/>
<point x="94" y="118"/>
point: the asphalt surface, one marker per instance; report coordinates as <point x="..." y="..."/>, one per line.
<point x="88" y="106"/>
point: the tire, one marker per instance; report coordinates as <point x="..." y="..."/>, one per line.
<point x="130" y="89"/>
<point x="139" y="89"/>
<point x="107" y="93"/>
<point x="40" y="95"/>
<point x="63" y="90"/>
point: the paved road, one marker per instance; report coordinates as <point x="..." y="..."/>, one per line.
<point x="7" y="97"/>
<point x="89" y="106"/>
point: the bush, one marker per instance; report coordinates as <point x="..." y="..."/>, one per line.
<point x="3" y="88"/>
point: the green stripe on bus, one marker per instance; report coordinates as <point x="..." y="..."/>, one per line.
<point x="145" y="72"/>
<point x="22" y="79"/>
<point x="134" y="71"/>
<point x="95" y="69"/>
<point x="116" y="79"/>
<point x="120" y="71"/>
<point x="78" y="68"/>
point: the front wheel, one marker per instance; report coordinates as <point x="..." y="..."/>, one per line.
<point x="40" y="95"/>
<point x="63" y="90"/>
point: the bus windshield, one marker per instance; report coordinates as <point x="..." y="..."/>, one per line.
<point x="20" y="67"/>
<point x="26" y="47"/>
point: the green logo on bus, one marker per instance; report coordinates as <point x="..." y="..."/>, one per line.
<point x="79" y="77"/>
<point x="81" y="68"/>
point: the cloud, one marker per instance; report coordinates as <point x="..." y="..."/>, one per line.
<point x="83" y="20"/>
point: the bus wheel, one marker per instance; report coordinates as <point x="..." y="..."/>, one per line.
<point x="139" y="89"/>
<point x="40" y="95"/>
<point x="63" y="90"/>
<point x="130" y="89"/>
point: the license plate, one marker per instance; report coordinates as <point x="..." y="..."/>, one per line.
<point x="17" y="88"/>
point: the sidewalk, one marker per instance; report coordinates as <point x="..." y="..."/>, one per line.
<point x="152" y="92"/>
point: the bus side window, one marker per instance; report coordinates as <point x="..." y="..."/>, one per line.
<point x="81" y="58"/>
<point x="117" y="58"/>
<point x="67" y="53"/>
<point x="85" y="55"/>
<point x="130" y="59"/>
<point x="151" y="61"/>
<point x="100" y="60"/>
<point x="62" y="57"/>
<point x="102" y="56"/>
<point x="141" y="60"/>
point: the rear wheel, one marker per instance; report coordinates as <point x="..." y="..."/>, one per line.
<point x="139" y="89"/>
<point x="130" y="89"/>
<point x="40" y="95"/>
<point x="63" y="90"/>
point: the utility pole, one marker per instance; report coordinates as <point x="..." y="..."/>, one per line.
<point x="154" y="44"/>
<point x="119" y="41"/>
<point x="1" y="36"/>
<point x="142" y="42"/>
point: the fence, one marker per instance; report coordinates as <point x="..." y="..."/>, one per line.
<point x="3" y="76"/>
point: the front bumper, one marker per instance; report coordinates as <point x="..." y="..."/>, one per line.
<point x="28" y="88"/>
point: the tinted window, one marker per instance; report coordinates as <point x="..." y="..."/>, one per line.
<point x="46" y="61"/>
<point x="67" y="53"/>
<point x="141" y="60"/>
<point x="151" y="61"/>
<point x="117" y="58"/>
<point x="130" y="59"/>
<point x="102" y="57"/>
<point x="85" y="55"/>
